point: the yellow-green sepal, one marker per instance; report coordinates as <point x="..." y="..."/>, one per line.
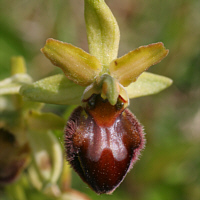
<point x="77" y="65"/>
<point x="128" y="68"/>
<point x="102" y="31"/>
<point x="56" y="89"/>
<point x="148" y="84"/>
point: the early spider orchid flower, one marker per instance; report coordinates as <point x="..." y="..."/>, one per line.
<point x="103" y="139"/>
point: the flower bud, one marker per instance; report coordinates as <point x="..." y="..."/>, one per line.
<point x="13" y="157"/>
<point x="102" y="142"/>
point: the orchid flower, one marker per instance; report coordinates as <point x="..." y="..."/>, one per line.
<point x="103" y="139"/>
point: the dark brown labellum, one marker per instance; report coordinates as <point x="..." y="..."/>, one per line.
<point x="102" y="143"/>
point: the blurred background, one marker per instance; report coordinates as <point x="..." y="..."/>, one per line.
<point x="169" y="168"/>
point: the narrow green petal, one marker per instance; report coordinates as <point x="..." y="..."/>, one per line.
<point x="148" y="84"/>
<point x="127" y="68"/>
<point x="102" y="31"/>
<point x="12" y="84"/>
<point x="44" y="121"/>
<point x="78" y="66"/>
<point x="55" y="89"/>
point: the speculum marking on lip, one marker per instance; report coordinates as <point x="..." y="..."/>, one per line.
<point x="103" y="152"/>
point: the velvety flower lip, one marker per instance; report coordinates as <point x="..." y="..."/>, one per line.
<point x="102" y="150"/>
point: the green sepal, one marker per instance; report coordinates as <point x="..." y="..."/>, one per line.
<point x="55" y="89"/>
<point x="12" y="84"/>
<point x="128" y="68"/>
<point x="148" y="84"/>
<point x="102" y="31"/>
<point x="38" y="121"/>
<point x="77" y="65"/>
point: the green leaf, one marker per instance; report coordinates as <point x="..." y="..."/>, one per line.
<point x="44" y="121"/>
<point x="55" y="89"/>
<point x="127" y="68"/>
<point x="12" y="85"/>
<point x="102" y="31"/>
<point x="78" y="66"/>
<point x="148" y="84"/>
